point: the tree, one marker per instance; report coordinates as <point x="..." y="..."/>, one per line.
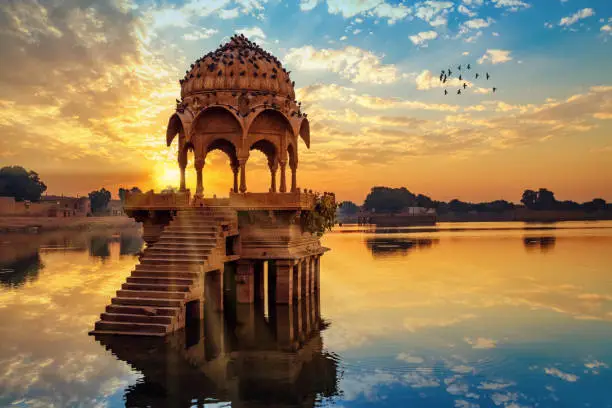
<point x="15" y="181"/>
<point x="123" y="192"/>
<point x="389" y="200"/>
<point x="530" y="199"/>
<point x="348" y="208"/>
<point x="99" y="200"/>
<point x="546" y="199"/>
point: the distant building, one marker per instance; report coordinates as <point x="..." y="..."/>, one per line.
<point x="115" y="208"/>
<point x="48" y="206"/>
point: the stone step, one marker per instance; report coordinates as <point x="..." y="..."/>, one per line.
<point x="203" y="246"/>
<point x="143" y="273"/>
<point x="170" y="239"/>
<point x="159" y="281"/>
<point x="154" y="294"/>
<point x="129" y="327"/>
<point x="141" y="311"/>
<point x="168" y="267"/>
<point x="130" y="301"/>
<point x="179" y="253"/>
<point x="135" y="318"/>
<point x="189" y="230"/>
<point x="174" y="260"/>
<point x="155" y="287"/>
<point x="120" y="333"/>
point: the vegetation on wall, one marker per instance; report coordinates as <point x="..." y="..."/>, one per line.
<point x="323" y="216"/>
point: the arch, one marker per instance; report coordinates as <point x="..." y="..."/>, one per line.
<point x="212" y="123"/>
<point x="178" y="122"/>
<point x="305" y="132"/>
<point x="266" y="147"/>
<point x="269" y="121"/>
<point x="292" y="154"/>
<point x="226" y="147"/>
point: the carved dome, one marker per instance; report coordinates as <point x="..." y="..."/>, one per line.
<point x="239" y="65"/>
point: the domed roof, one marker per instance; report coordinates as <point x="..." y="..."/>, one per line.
<point x="239" y="65"/>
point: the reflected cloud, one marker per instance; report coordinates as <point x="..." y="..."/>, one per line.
<point x="481" y="343"/>
<point x="555" y="372"/>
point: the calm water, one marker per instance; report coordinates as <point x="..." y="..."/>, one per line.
<point x="465" y="315"/>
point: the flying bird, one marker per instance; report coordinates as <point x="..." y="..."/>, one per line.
<point x="477" y="75"/>
<point x="494" y="89"/>
<point x="445" y="92"/>
<point x="450" y="72"/>
<point x="458" y="91"/>
<point x="444" y="80"/>
<point x="488" y="76"/>
<point x="464" y="85"/>
<point x="441" y="76"/>
<point x="459" y="67"/>
<point x="461" y="79"/>
<point x="469" y="66"/>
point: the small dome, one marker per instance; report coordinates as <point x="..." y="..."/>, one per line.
<point x="239" y="65"/>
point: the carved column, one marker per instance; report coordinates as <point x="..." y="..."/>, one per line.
<point x="297" y="281"/>
<point x="243" y="187"/>
<point x="283" y="182"/>
<point x="311" y="266"/>
<point x="245" y="282"/>
<point x="273" y="167"/>
<point x="293" y="177"/>
<point x="307" y="276"/>
<point x="182" y="161"/>
<point x="284" y="282"/>
<point x="235" y="169"/>
<point x="317" y="272"/>
<point x="199" y="166"/>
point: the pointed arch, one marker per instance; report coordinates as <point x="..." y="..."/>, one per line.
<point x="305" y="132"/>
<point x="178" y="122"/>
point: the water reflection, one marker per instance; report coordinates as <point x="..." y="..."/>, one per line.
<point x="239" y="357"/>
<point x="545" y="243"/>
<point x="20" y="271"/>
<point x="390" y="246"/>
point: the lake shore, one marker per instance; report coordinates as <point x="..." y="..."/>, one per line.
<point x="46" y="224"/>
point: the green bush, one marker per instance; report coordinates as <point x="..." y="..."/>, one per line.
<point x="322" y="218"/>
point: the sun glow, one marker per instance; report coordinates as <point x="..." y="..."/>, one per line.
<point x="166" y="175"/>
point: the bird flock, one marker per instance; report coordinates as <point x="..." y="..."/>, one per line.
<point x="463" y="74"/>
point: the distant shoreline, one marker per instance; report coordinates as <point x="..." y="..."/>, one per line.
<point x="35" y="225"/>
<point x="518" y="215"/>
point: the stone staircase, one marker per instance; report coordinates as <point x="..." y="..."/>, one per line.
<point x="152" y="302"/>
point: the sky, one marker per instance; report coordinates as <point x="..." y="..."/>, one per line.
<point x="87" y="88"/>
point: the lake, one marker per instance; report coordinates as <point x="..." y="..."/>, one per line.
<point x="457" y="315"/>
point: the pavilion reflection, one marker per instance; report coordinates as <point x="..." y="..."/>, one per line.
<point x="544" y="243"/>
<point x="241" y="356"/>
<point x="382" y="246"/>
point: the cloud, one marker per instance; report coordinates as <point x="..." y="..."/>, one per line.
<point x="555" y="372"/>
<point x="407" y="358"/>
<point x="352" y="63"/>
<point x="427" y="80"/>
<point x="307" y="5"/>
<point x="606" y="29"/>
<point x="464" y="10"/>
<point x="421" y="38"/>
<point x="511" y="5"/>
<point x="494" y="385"/>
<point x="478" y="23"/>
<point x="203" y="33"/>
<point x="434" y="12"/>
<point x="253" y="33"/>
<point x="376" y="8"/>
<point x="419" y="380"/>
<point x="577" y="16"/>
<point x="481" y="343"/>
<point x="495" y="56"/>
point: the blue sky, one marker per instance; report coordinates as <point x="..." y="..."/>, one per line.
<point x="92" y="79"/>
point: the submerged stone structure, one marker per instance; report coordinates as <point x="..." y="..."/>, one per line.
<point x="246" y="248"/>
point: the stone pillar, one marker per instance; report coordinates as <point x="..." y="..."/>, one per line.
<point x="245" y="282"/>
<point x="311" y="265"/>
<point x="214" y="289"/>
<point x="307" y="276"/>
<point x="235" y="169"/>
<point x="243" y="187"/>
<point x="317" y="272"/>
<point x="284" y="282"/>
<point x="297" y="281"/>
<point x="199" y="166"/>
<point x="182" y="186"/>
<point x="273" y="167"/>
<point x="283" y="181"/>
<point x="293" y="178"/>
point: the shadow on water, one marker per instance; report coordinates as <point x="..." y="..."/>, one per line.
<point x="544" y="244"/>
<point x="381" y="246"/>
<point x="21" y="271"/>
<point x="240" y="357"/>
